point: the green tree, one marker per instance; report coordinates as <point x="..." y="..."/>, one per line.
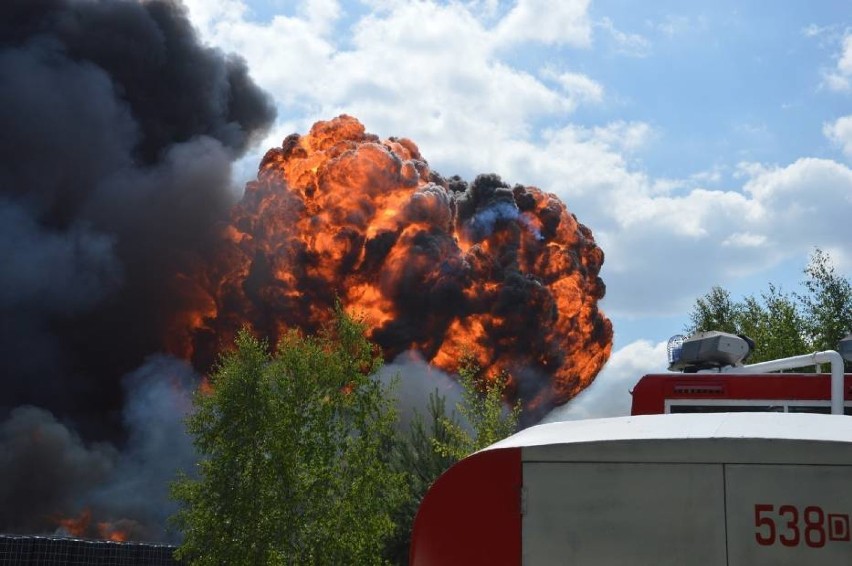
<point x="827" y="304"/>
<point x="783" y="324"/>
<point x="293" y="448"/>
<point x="715" y="311"/>
<point x="774" y="323"/>
<point x="482" y="408"/>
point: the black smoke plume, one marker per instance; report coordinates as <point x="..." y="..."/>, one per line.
<point x="117" y="133"/>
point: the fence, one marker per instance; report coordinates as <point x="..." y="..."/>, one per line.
<point x="55" y="551"/>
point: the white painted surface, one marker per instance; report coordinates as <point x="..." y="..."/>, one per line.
<point x="623" y="514"/>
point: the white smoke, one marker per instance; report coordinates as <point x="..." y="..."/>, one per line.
<point x="609" y="394"/>
<point x="413" y="381"/>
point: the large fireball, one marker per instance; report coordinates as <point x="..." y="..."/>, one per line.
<point x="433" y="264"/>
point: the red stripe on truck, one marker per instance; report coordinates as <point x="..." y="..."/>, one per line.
<point x="472" y="513"/>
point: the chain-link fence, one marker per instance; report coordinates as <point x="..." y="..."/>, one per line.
<point x="57" y="551"/>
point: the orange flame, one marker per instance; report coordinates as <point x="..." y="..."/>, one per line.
<point x="436" y="265"/>
<point x="82" y="526"/>
<point x="109" y="531"/>
<point x="76" y="526"/>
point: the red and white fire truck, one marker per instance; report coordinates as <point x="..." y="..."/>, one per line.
<point x="725" y="464"/>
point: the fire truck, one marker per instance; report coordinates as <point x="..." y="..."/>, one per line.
<point x="722" y="464"/>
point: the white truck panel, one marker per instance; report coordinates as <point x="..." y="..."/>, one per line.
<point x="658" y="514"/>
<point x="736" y="490"/>
<point x="606" y="514"/>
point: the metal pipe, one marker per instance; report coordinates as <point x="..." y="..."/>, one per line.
<point x="805" y="360"/>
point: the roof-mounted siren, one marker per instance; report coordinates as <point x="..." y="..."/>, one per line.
<point x="674" y="349"/>
<point x="845" y="347"/>
<point x="708" y="350"/>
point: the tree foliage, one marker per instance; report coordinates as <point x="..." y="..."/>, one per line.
<point x="482" y="408"/>
<point x="827" y="303"/>
<point x="783" y="324"/>
<point x="715" y="311"/>
<point x="293" y="452"/>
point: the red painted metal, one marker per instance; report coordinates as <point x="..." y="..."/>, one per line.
<point x="472" y="514"/>
<point x="652" y="391"/>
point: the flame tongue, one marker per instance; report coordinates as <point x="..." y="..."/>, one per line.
<point x="506" y="274"/>
<point x="76" y="526"/>
<point x="82" y="526"/>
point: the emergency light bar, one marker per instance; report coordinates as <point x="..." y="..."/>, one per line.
<point x="707" y="350"/>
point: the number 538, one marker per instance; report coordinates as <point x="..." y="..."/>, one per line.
<point x="789" y="526"/>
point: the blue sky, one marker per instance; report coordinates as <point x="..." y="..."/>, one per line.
<point x="724" y="81"/>
<point x="702" y="142"/>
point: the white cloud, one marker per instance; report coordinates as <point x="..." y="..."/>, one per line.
<point x="579" y="87"/>
<point x="840" y="78"/>
<point x="812" y="198"/>
<point x="205" y="14"/>
<point x="662" y="251"/>
<point x="711" y="176"/>
<point x="321" y="14"/>
<point x="744" y="240"/>
<point x="283" y="55"/>
<point x="673" y="25"/>
<point x="840" y="132"/>
<point x="622" y="136"/>
<point x="609" y="394"/>
<point x="632" y="44"/>
<point x="813" y="30"/>
<point x="564" y="22"/>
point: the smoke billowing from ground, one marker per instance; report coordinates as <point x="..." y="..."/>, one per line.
<point x="412" y="381"/>
<point x="118" y="133"/>
<point x="54" y="481"/>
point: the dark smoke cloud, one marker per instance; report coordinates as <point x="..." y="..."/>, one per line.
<point x="119" y="129"/>
<point x="117" y="134"/>
<point x="44" y="467"/>
<point x="48" y="472"/>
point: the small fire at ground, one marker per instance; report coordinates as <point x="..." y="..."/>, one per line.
<point x="82" y="526"/>
<point x="436" y="265"/>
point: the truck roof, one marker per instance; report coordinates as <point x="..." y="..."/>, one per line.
<point x="788" y="426"/>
